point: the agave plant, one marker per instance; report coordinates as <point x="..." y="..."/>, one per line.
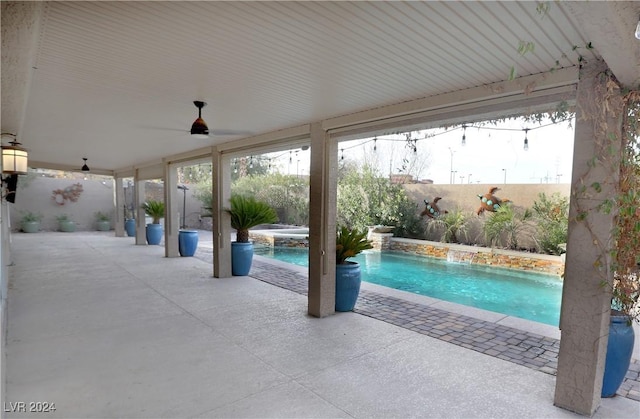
<point x="349" y="243"/>
<point x="154" y="209"/>
<point x="454" y="225"/>
<point x="506" y="222"/>
<point x="247" y="212"/>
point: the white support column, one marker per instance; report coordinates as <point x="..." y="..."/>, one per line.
<point x="322" y="222"/>
<point x="221" y="221"/>
<point x="171" y="211"/>
<point x="586" y="304"/>
<point x="141" y="225"/>
<point x="118" y="216"/>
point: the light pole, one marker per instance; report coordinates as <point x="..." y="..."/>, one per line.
<point x="184" y="190"/>
<point x="451" y="172"/>
<point x="505" y="176"/>
<point x="453" y="176"/>
<point x="469" y="178"/>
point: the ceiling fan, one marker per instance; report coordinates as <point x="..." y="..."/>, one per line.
<point x="200" y="130"/>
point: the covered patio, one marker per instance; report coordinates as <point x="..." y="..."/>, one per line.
<point x="114" y="82"/>
<point x="104" y="328"/>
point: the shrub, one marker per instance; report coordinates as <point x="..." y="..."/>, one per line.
<point x="552" y="215"/>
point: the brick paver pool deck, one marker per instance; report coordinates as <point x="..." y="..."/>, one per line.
<point x="510" y="344"/>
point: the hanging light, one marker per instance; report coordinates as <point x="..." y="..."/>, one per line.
<point x="342" y="154"/>
<point x="199" y="128"/>
<point x="251" y="163"/>
<point x="14" y="157"/>
<point x="526" y="140"/>
<point x="85" y="168"/>
<point x="464" y="135"/>
<point x="375" y="143"/>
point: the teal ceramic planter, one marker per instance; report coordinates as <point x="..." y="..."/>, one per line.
<point x="130" y="227"/>
<point x="187" y="242"/>
<point x="154" y="233"/>
<point x="347" y="285"/>
<point x="67" y="226"/>
<point x="619" y="350"/>
<point x="241" y="258"/>
<point x="103" y="225"/>
<point x="31" y="226"/>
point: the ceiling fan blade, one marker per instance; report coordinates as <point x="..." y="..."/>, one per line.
<point x="229" y="132"/>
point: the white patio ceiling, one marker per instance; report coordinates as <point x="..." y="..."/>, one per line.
<point x="114" y="81"/>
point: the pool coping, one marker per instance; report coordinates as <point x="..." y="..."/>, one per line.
<point x="530" y="344"/>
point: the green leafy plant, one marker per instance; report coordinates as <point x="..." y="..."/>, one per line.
<point x="101" y="216"/>
<point x="503" y="226"/>
<point x="28" y="217"/>
<point x="154" y="209"/>
<point x="247" y="212"/>
<point x="349" y="243"/>
<point x="552" y="215"/>
<point x="62" y="218"/>
<point x="453" y="225"/>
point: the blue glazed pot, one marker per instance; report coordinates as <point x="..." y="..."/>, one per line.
<point x="130" y="227"/>
<point x="154" y="233"/>
<point x="241" y="258"/>
<point x="619" y="350"/>
<point x="347" y="285"/>
<point x="187" y="242"/>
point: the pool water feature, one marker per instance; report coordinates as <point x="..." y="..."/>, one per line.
<point x="527" y="295"/>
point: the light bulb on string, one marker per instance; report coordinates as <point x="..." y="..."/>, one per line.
<point x="526" y="140"/>
<point x="415" y="146"/>
<point x="342" y="154"/>
<point x="375" y="143"/>
<point x="251" y="162"/>
<point x="464" y="135"/>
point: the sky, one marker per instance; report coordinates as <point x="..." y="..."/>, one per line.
<point x="490" y="154"/>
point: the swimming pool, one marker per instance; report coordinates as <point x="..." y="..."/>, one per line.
<point x="526" y="295"/>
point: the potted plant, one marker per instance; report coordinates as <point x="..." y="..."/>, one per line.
<point x="103" y="221"/>
<point x="349" y="243"/>
<point x="65" y="224"/>
<point x="30" y="222"/>
<point x="246" y="212"/>
<point x="155" y="210"/>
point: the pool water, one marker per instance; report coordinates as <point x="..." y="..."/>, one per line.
<point x="530" y="296"/>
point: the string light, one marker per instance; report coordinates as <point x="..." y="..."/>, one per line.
<point x="464" y="135"/>
<point x="250" y="162"/>
<point x="342" y="154"/>
<point x="526" y="140"/>
<point x="375" y="143"/>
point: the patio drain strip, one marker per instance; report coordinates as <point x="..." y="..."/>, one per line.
<point x="523" y="348"/>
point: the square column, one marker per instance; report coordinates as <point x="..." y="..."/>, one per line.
<point x="323" y="188"/>
<point x="221" y="220"/>
<point x="586" y="304"/>
<point x="138" y="199"/>
<point x="171" y="211"/>
<point x="118" y="216"/>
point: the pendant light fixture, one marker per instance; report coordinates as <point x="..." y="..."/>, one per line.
<point x="14" y="157"/>
<point x="199" y="128"/>
<point x="85" y="168"/>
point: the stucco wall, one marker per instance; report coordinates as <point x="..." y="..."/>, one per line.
<point x="34" y="194"/>
<point x="465" y="197"/>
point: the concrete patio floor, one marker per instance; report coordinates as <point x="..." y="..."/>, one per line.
<point x="104" y="328"/>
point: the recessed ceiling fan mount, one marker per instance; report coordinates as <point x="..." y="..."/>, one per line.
<point x="199" y="128"/>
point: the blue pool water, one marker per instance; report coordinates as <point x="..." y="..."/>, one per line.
<point x="526" y="295"/>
